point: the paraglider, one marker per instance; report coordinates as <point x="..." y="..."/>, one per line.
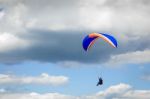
<point x="90" y="39"/>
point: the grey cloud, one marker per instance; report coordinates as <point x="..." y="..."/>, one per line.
<point x="55" y="29"/>
<point x="51" y="46"/>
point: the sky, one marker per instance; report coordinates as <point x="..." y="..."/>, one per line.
<point x="41" y="54"/>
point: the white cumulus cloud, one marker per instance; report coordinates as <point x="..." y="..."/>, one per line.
<point x="43" y="79"/>
<point x="137" y="57"/>
<point x="10" y="42"/>
<point x="120" y="91"/>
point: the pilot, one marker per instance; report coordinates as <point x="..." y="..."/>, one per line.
<point x="100" y="82"/>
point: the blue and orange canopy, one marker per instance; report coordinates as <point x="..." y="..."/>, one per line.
<point x="92" y="37"/>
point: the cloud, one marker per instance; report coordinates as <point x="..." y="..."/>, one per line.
<point x="137" y="57"/>
<point x="120" y="91"/>
<point x="146" y="77"/>
<point x="52" y="46"/>
<point x="10" y="42"/>
<point x="111" y="14"/>
<point x="2" y="13"/>
<point x="36" y="95"/>
<point x="43" y="79"/>
<point x="54" y="34"/>
<point x="2" y="90"/>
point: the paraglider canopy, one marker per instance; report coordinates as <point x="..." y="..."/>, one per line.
<point x="90" y="39"/>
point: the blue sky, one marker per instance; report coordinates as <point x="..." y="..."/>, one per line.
<point x="83" y="78"/>
<point x="41" y="52"/>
